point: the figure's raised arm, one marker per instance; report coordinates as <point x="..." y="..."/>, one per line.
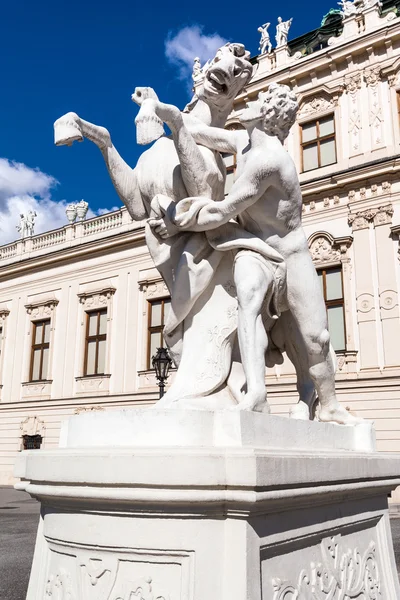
<point x="215" y="138"/>
<point x="199" y="214"/>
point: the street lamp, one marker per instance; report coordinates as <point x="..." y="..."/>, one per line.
<point x="161" y="364"/>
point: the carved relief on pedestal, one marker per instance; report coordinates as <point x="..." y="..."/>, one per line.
<point x="342" y="574"/>
<point x="59" y="587"/>
<point x="352" y="85"/>
<point x="142" y="589"/>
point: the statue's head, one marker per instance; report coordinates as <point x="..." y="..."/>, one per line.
<point x="276" y="108"/>
<point x="227" y="75"/>
<point x="279" y="19"/>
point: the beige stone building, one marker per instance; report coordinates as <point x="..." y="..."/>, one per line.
<point x="82" y="307"/>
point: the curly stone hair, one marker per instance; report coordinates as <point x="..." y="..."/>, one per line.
<point x="281" y="107"/>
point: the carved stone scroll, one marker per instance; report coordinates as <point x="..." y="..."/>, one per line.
<point x="342" y="574"/>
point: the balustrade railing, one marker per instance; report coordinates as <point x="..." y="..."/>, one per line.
<point x="75" y="233"/>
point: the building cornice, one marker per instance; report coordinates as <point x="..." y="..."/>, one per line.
<point x="85" y="251"/>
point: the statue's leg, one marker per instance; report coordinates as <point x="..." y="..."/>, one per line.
<point x="70" y="128"/>
<point x="308" y="309"/>
<point x="291" y="340"/>
<point x="252" y="284"/>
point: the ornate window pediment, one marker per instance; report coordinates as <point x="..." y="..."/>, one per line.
<point x="97" y="295"/>
<point x="316" y="103"/>
<point x="42" y="306"/>
<point x="325" y="249"/>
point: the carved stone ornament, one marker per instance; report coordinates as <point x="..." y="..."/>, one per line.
<point x="388" y="300"/>
<point x="41" y="309"/>
<point x="322" y="251"/>
<point x="362" y="219"/>
<point x="32" y="426"/>
<point x="342" y="575"/>
<point x="372" y="76"/>
<point x="96" y="299"/>
<point x="59" y="587"/>
<point x="316" y="105"/>
<point x="4" y="312"/>
<point x="352" y="83"/>
<point x="326" y="249"/>
<point x="142" y="589"/>
<point x="384" y="215"/>
<point x="365" y="303"/>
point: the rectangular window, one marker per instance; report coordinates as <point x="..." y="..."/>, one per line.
<point x="40" y="350"/>
<point x="96" y="339"/>
<point x="332" y="287"/>
<point x="318" y="143"/>
<point x="158" y="313"/>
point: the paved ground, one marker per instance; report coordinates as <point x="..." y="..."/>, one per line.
<point x="19" y="516"/>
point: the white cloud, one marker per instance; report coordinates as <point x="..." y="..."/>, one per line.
<point x="189" y="42"/>
<point x="23" y="189"/>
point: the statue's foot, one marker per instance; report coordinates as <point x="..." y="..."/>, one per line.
<point x="335" y="413"/>
<point x="301" y="412"/>
<point x="253" y="403"/>
<point x="67" y="130"/>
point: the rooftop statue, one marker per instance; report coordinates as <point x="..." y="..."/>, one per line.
<point x="282" y="31"/>
<point x="355" y="7"/>
<point x="197" y="240"/>
<point x="265" y="41"/>
<point x="27" y="224"/>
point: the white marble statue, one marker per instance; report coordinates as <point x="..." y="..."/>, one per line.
<point x="265" y="41"/>
<point x="198" y="277"/>
<point x="266" y="265"/>
<point x="196" y="257"/>
<point x="197" y="72"/>
<point x="355" y="7"/>
<point x="26" y="228"/>
<point x="282" y="31"/>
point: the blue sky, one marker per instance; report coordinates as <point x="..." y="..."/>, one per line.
<point x="88" y="57"/>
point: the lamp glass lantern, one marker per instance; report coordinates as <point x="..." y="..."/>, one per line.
<point x="161" y="362"/>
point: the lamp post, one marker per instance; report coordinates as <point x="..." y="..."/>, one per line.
<point x="161" y="362"/>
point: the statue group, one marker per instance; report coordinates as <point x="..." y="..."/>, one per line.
<point x="242" y="282"/>
<point x="281" y="37"/>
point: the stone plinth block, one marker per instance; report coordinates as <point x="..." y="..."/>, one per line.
<point x="174" y="505"/>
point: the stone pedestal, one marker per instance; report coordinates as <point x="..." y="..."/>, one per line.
<point x="175" y="505"/>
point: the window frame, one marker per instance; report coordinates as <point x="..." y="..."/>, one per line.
<point x="337" y="302"/>
<point x="98" y="337"/>
<point x="318" y="141"/>
<point x="156" y="328"/>
<point x="42" y="346"/>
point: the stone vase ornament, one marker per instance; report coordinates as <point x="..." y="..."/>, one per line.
<point x="81" y="209"/>
<point x="71" y="212"/>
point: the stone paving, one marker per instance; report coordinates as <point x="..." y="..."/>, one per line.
<point x="19" y="516"/>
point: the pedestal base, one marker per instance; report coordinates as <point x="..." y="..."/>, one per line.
<point x="242" y="521"/>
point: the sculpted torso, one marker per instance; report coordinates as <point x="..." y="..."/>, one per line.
<point x="276" y="216"/>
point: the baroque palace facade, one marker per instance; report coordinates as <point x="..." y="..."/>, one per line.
<point x="82" y="307"/>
